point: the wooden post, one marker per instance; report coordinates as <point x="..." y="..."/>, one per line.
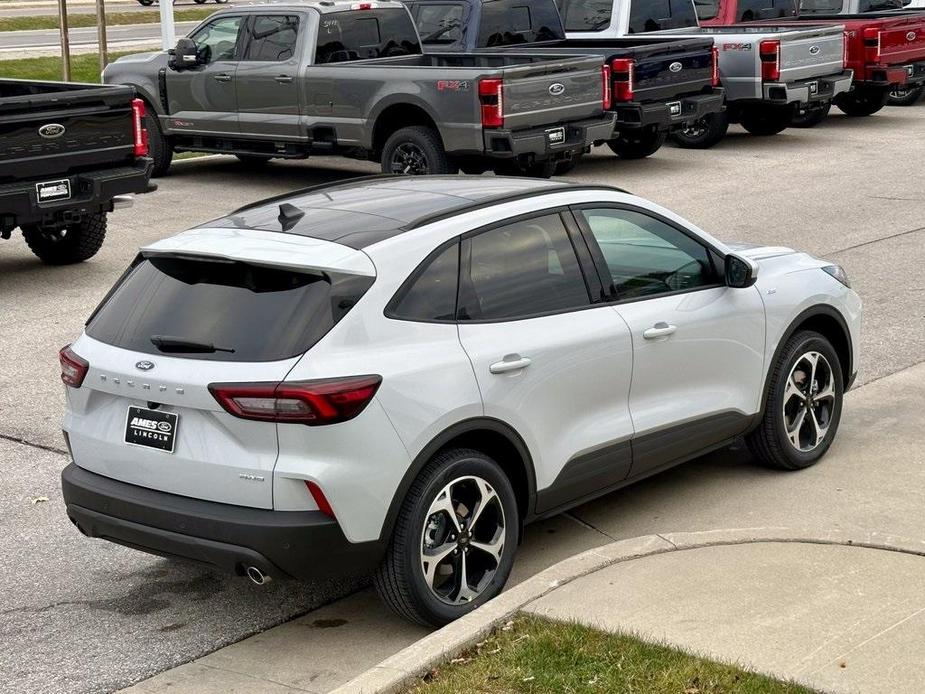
<point x="65" y="41"/>
<point x="101" y="33"/>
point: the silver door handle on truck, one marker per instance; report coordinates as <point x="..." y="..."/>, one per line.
<point x="660" y="329"/>
<point x="512" y="362"/>
<point x="284" y="79"/>
<point x="222" y="77"/>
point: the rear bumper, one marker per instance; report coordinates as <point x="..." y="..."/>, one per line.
<point x="807" y="91"/>
<point x="910" y="74"/>
<point x="538" y="143"/>
<point x="295" y="544"/>
<point x="669" y="115"/>
<point x="91" y="192"/>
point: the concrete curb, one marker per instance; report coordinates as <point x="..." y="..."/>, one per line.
<point x="409" y="664"/>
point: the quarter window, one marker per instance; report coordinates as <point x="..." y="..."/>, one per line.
<point x="273" y="38"/>
<point x="430" y="294"/>
<point x="218" y="40"/>
<point x="646" y="256"/>
<point x="521" y="269"/>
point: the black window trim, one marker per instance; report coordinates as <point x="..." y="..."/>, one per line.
<point x="604" y="272"/>
<point x="422" y="267"/>
<point x="251" y="18"/>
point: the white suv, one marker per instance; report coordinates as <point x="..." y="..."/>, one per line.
<point x="394" y="375"/>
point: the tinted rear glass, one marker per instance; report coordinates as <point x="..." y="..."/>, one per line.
<point x="510" y="22"/>
<point x="585" y="15"/>
<point x="363" y="34"/>
<point x="439" y="23"/>
<point x="263" y="314"/>
<point x="273" y="38"/>
<point x="658" y="15"/>
<point x="820" y="6"/>
<point x="430" y="293"/>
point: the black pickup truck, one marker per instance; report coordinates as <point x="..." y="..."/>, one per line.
<point x="69" y="154"/>
<point x="658" y="85"/>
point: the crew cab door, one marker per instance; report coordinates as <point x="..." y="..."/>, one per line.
<point x="698" y="345"/>
<point x="548" y="362"/>
<point x="266" y="82"/>
<point x="202" y="99"/>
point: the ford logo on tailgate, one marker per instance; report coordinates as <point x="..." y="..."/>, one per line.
<point x="910" y="36"/>
<point x="557" y="89"/>
<point x="52" y="130"/>
<point x="675" y="67"/>
<point x="814" y="50"/>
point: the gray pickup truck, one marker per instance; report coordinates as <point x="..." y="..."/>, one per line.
<point x="330" y="77"/>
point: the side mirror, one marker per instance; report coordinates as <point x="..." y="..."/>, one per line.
<point x="185" y="55"/>
<point x="740" y="272"/>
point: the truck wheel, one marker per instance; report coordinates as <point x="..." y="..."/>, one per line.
<point x="454" y="540"/>
<point x="416" y="151"/>
<point x="862" y="102"/>
<point x="159" y="147"/>
<point x="703" y="133"/>
<point x="73" y="243"/>
<point x="810" y="117"/>
<point x="638" y="144"/>
<point x="766" y="121"/>
<point x="906" y="96"/>
<point x="146" y="3"/>
<point x="804" y="404"/>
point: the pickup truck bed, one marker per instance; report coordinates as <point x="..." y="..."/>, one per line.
<point x="67" y="153"/>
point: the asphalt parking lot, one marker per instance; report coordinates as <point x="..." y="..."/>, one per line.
<point x="80" y="615"/>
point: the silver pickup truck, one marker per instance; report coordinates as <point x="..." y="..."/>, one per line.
<point x="330" y="77"/>
<point x="770" y="73"/>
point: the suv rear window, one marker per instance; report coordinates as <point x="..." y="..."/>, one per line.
<point x="364" y="34"/>
<point x="262" y="313"/>
<point x="511" y="22"/>
<point x="658" y="15"/>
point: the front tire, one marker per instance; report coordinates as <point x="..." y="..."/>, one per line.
<point x="901" y="96"/>
<point x="69" y="244"/>
<point x="702" y="133"/>
<point x="638" y="144"/>
<point x="416" y="151"/>
<point x="766" y="121"/>
<point x="859" y="103"/>
<point x="804" y="404"/>
<point x="159" y="147"/>
<point x="811" y="117"/>
<point x="454" y="540"/>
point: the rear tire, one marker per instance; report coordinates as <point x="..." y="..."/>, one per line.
<point x="638" y="144"/>
<point x="703" y="133"/>
<point x="906" y="97"/>
<point x="472" y="487"/>
<point x="69" y="244"/>
<point x="159" y="147"/>
<point x="416" y="151"/>
<point x="803" y="407"/>
<point x="810" y="117"/>
<point x="766" y="121"/>
<point x="859" y="103"/>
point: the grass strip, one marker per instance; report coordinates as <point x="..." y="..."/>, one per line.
<point x="75" y="21"/>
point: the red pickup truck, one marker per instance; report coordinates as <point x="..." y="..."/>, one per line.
<point x="886" y="51"/>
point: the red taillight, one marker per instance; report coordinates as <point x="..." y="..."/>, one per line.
<point x="622" y="69"/>
<point x="314" y="403"/>
<point x="714" y="71"/>
<point x="872" y="44"/>
<point x="321" y="501"/>
<point x="844" y="52"/>
<point x="491" y="97"/>
<point x="73" y="368"/>
<point x="607" y="96"/>
<point x="769" y="52"/>
<point x="138" y="129"/>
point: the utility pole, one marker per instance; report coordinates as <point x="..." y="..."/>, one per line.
<point x="101" y="33"/>
<point x="65" y="41"/>
<point x="168" y="32"/>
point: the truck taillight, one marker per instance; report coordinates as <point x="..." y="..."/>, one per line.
<point x="844" y="51"/>
<point x="607" y="95"/>
<point x="872" y="44"/>
<point x="714" y="72"/>
<point x="314" y="403"/>
<point x="769" y="52"/>
<point x="139" y="133"/>
<point x="491" y="97"/>
<point x="73" y="368"/>
<point x="622" y="69"/>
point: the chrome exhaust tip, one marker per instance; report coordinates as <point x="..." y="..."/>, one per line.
<point x="256" y="575"/>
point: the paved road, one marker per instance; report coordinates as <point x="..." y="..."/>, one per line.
<point x="77" y="615"/>
<point x="38" y="9"/>
<point x="85" y="37"/>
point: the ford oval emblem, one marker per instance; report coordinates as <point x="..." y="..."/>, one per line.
<point x="814" y="50"/>
<point x="144" y="365"/>
<point x="52" y="130"/>
<point x="910" y="36"/>
<point x="556" y="88"/>
<point x="675" y="67"/>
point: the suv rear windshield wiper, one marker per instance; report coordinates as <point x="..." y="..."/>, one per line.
<point x="167" y="343"/>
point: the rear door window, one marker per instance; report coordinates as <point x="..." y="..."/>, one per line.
<point x="511" y="22"/>
<point x="365" y="34"/>
<point x="273" y="38"/>
<point x="246" y="312"/>
<point x="585" y="15"/>
<point x="658" y="15"/>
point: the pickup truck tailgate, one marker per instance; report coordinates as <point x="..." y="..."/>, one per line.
<point x="559" y="90"/>
<point x="810" y="53"/>
<point x="903" y="41"/>
<point x="678" y="66"/>
<point x="51" y="128"/>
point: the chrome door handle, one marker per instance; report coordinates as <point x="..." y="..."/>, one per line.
<point x="283" y="79"/>
<point x="660" y="329"/>
<point x="511" y="362"/>
<point x="222" y="77"/>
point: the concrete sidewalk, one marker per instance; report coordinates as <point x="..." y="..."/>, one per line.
<point x="836" y="618"/>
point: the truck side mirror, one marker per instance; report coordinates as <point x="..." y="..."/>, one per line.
<point x="185" y="55"/>
<point x="740" y="272"/>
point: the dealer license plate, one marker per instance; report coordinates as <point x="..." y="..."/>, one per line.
<point x="151" y="428"/>
<point x="50" y="191"/>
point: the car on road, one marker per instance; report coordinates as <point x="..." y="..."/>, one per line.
<point x="392" y="375"/>
<point x="70" y="153"/>
<point x="323" y="77"/>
